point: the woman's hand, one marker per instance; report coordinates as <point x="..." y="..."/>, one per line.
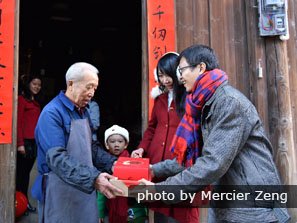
<point x="137" y="153"/>
<point x="21" y="150"/>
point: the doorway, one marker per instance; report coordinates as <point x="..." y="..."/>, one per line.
<point x="57" y="33"/>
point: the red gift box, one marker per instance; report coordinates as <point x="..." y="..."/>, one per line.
<point x="130" y="170"/>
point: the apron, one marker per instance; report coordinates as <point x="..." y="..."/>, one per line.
<point x="64" y="203"/>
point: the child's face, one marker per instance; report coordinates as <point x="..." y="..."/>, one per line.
<point x="116" y="144"/>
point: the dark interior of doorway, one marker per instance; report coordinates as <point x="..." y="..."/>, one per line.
<point x="56" y="33"/>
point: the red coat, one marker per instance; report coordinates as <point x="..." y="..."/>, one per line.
<point x="118" y="207"/>
<point x="156" y="143"/>
<point x="28" y="114"/>
<point x="161" y="128"/>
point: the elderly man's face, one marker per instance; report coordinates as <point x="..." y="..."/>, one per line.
<point x="82" y="91"/>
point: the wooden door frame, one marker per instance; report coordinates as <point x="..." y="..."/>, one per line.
<point x="8" y="151"/>
<point x="144" y="73"/>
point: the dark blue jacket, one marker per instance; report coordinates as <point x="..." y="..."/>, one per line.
<point x="51" y="135"/>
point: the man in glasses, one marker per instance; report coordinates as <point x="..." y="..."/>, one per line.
<point x="222" y="140"/>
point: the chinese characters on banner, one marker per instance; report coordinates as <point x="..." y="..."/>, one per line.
<point x="6" y="68"/>
<point x="161" y="35"/>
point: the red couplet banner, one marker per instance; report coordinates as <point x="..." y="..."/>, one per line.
<point x="7" y="9"/>
<point x="161" y="35"/>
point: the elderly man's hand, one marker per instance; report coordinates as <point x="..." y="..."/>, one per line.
<point x="105" y="187"/>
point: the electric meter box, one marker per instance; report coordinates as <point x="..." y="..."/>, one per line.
<point x="273" y="17"/>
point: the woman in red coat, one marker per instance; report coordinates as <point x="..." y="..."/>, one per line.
<point x="28" y="113"/>
<point x="168" y="108"/>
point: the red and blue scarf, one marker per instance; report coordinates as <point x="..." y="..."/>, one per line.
<point x="187" y="143"/>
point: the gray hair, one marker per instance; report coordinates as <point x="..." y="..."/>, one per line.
<point x="77" y="70"/>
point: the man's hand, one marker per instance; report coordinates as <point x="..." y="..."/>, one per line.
<point x="137" y="153"/>
<point x="151" y="171"/>
<point x="145" y="182"/>
<point x="144" y="187"/>
<point x="105" y="187"/>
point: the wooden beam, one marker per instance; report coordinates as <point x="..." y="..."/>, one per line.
<point x="292" y="59"/>
<point x="281" y="125"/>
<point x="184" y="23"/>
<point x="8" y="151"/>
<point x="144" y="75"/>
<point x="256" y="60"/>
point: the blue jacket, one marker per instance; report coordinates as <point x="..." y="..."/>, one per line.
<point x="51" y="135"/>
<point x="94" y="113"/>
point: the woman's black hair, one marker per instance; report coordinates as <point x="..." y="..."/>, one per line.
<point x="180" y="99"/>
<point x="25" y="87"/>
<point x="168" y="65"/>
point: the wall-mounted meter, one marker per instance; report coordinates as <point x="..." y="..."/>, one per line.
<point x="273" y="17"/>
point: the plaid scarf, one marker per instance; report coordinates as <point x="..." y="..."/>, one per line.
<point x="187" y="143"/>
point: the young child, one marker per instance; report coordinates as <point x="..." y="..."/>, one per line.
<point x="116" y="141"/>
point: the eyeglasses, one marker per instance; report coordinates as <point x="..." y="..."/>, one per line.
<point x="181" y="69"/>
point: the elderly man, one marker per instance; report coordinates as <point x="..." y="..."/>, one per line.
<point x="70" y="167"/>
